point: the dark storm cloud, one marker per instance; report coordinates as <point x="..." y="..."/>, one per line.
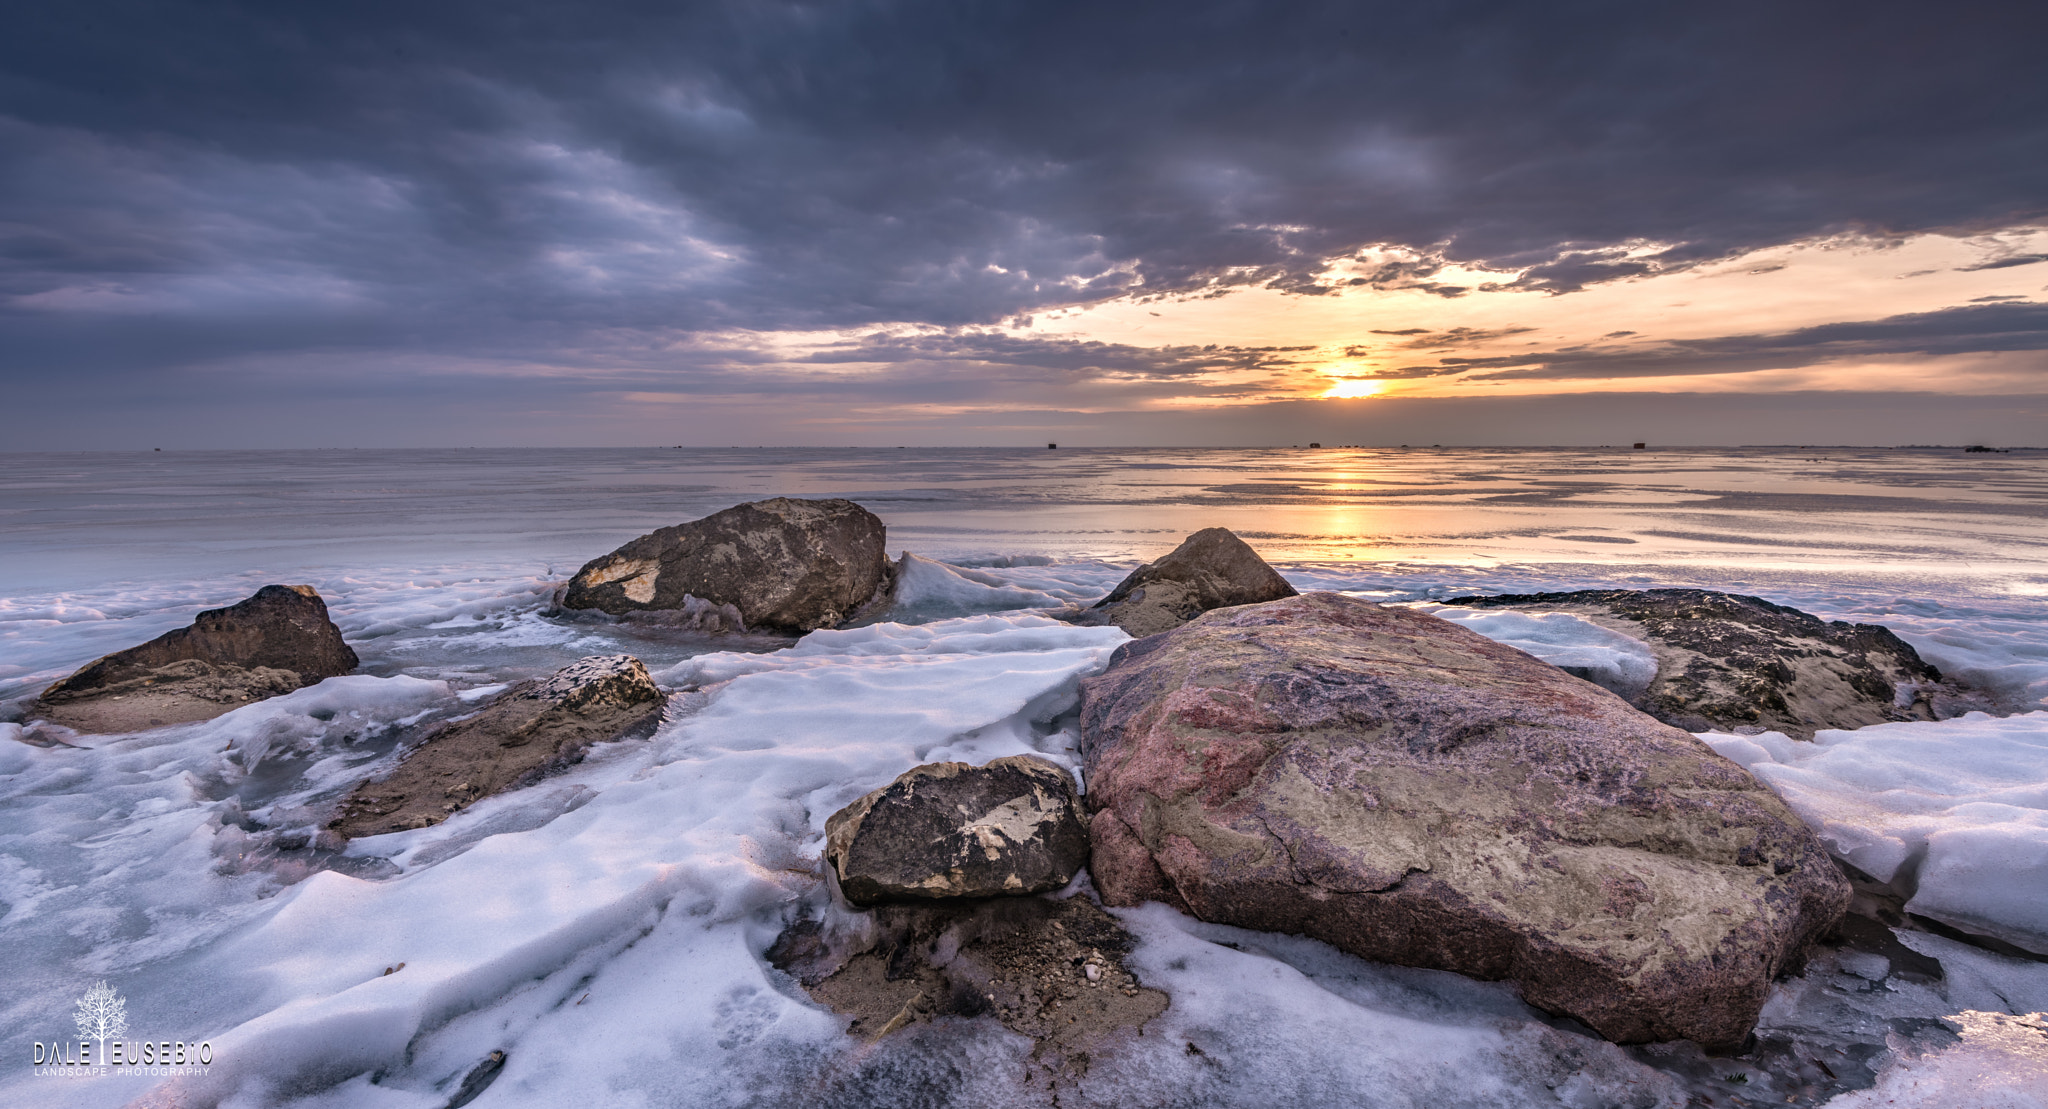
<point x="1979" y="328"/>
<point x="187" y="182"/>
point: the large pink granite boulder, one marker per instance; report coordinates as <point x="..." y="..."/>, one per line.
<point x="1415" y="793"/>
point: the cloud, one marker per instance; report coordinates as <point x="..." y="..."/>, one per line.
<point x="196" y="183"/>
<point x="2005" y="263"/>
<point x="1960" y="330"/>
<point x="996" y="348"/>
<point x="1465" y="336"/>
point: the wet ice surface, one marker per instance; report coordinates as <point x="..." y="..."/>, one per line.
<point x="605" y="927"/>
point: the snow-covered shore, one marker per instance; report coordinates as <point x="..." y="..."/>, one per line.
<point x="606" y="928"/>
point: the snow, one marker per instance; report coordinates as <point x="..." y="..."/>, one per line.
<point x="1953" y="813"/>
<point x="311" y="719"/>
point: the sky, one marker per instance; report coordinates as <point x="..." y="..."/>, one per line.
<point x="991" y="224"/>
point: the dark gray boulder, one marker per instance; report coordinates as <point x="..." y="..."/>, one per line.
<point x="278" y="640"/>
<point x="526" y="732"/>
<point x="950" y="830"/>
<point x="1727" y="661"/>
<point x="1211" y="569"/>
<point x="783" y="565"/>
<point x="1410" y="791"/>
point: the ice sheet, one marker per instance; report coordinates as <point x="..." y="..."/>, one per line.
<point x="2002" y="1063"/>
<point x="606" y="929"/>
<point x="1954" y="813"/>
<point x="928" y="589"/>
<point x="1565" y="640"/>
<point x="716" y="819"/>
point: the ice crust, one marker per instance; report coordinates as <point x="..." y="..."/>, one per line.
<point x="606" y="928"/>
<point x="1953" y="813"/>
<point x="928" y="589"/>
<point x="1567" y="641"/>
<point x="2000" y="1064"/>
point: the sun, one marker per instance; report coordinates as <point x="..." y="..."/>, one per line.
<point x="1353" y="387"/>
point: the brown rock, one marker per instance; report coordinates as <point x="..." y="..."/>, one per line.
<point x="1022" y="961"/>
<point x="1415" y="793"/>
<point x="278" y="640"/>
<point x="783" y="564"/>
<point x="950" y="830"/>
<point x="1211" y="569"/>
<point x="1727" y="661"/>
<point x="526" y="732"/>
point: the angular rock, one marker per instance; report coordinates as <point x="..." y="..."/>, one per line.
<point x="1211" y="569"/>
<point x="1412" y="792"/>
<point x="1726" y="661"/>
<point x="278" y="640"/>
<point x="783" y="564"/>
<point x="950" y="830"/>
<point x="526" y="732"/>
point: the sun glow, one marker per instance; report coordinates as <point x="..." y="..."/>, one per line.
<point x="1353" y="387"/>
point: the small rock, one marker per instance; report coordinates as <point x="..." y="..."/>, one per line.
<point x="1211" y="569"/>
<point x="948" y="830"/>
<point x="782" y="564"/>
<point x="278" y="640"/>
<point x="526" y="732"/>
<point x="478" y="1080"/>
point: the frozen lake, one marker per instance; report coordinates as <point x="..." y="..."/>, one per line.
<point x="100" y="550"/>
<point x="648" y="880"/>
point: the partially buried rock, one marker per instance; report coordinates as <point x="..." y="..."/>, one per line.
<point x="1052" y="970"/>
<point x="528" y="731"/>
<point x="1211" y="569"/>
<point x="277" y="641"/>
<point x="783" y="565"/>
<point x="1413" y="792"/>
<point x="950" y="830"/>
<point x="1727" y="662"/>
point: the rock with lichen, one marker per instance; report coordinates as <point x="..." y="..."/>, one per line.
<point x="948" y="830"/>
<point x="278" y="640"/>
<point x="1211" y="569"/>
<point x="530" y="730"/>
<point x="1413" y="792"/>
<point x="783" y="565"/>
<point x="1727" y="662"/>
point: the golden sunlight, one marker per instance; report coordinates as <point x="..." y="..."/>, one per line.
<point x="1353" y="387"/>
